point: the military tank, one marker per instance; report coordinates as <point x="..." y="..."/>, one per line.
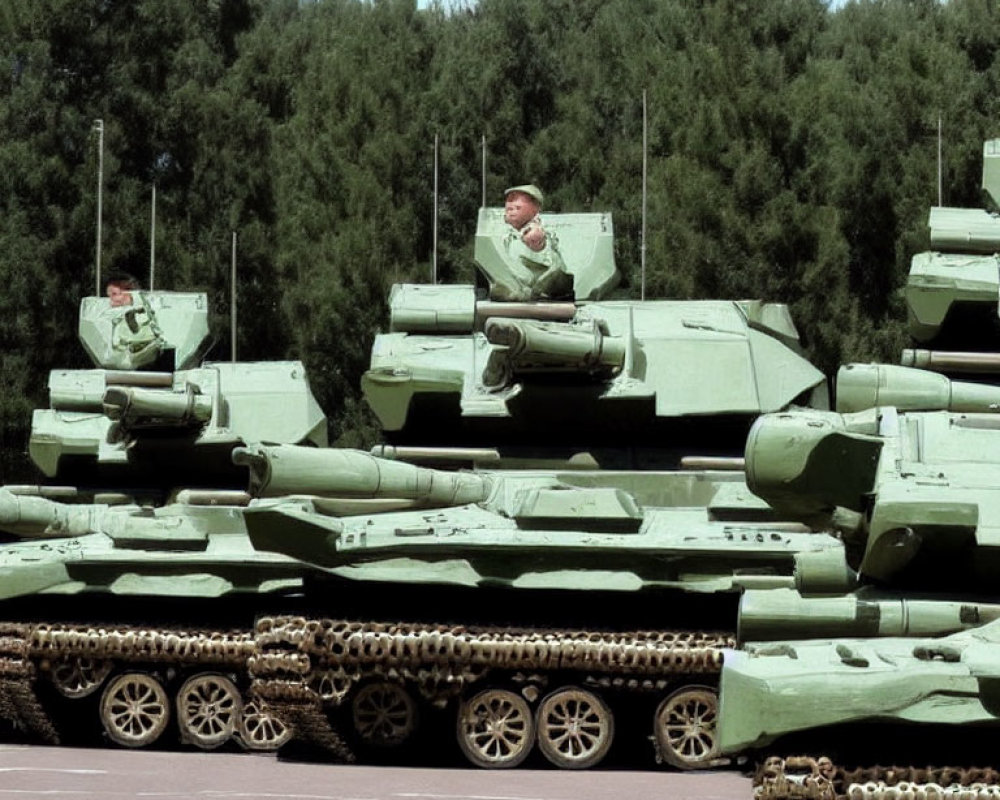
<point x="902" y="669"/>
<point x="151" y="415"/>
<point x="137" y="524"/>
<point x="547" y="564"/>
<point x="589" y="531"/>
<point x="514" y="586"/>
<point x="517" y="374"/>
<point x="540" y="606"/>
<point x="66" y="567"/>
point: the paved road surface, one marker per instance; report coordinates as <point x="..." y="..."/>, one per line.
<point x="57" y="773"/>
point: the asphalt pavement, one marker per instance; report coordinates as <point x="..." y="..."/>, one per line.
<point x="61" y="773"/>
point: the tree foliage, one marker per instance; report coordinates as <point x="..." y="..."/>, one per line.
<point x="792" y="156"/>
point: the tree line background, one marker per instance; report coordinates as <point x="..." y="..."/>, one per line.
<point x="792" y="157"/>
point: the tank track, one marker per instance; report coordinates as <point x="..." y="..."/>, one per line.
<point x="27" y="648"/>
<point x="808" y="778"/>
<point x="300" y="668"/>
<point x="302" y="665"/>
<point x="147" y="645"/>
<point x="18" y="702"/>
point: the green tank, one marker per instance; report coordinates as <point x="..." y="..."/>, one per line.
<point x="558" y="607"/>
<point x="531" y="601"/>
<point x="135" y="581"/>
<point x="829" y="688"/>
<point x="901" y="669"/>
<point x="151" y="415"/>
<point x="516" y="374"/>
<point x="590" y="539"/>
<point x="592" y="601"/>
<point x="95" y="592"/>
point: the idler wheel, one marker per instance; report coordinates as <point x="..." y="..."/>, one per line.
<point x="684" y="727"/>
<point x="260" y="730"/>
<point x="575" y="728"/>
<point x="208" y="710"/>
<point x="384" y="714"/>
<point x="496" y="729"/>
<point x="77" y="677"/>
<point x="134" y="709"/>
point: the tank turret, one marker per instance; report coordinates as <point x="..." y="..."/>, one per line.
<point x="334" y="473"/>
<point x="150" y="414"/>
<point x="951" y="292"/>
<point x="514" y="369"/>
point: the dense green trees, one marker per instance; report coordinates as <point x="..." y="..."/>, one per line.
<point x="792" y="156"/>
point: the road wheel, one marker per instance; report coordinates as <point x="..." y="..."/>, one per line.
<point x="260" y="730"/>
<point x="685" y="728"/>
<point x="575" y="728"/>
<point x="495" y="729"/>
<point x="208" y="710"/>
<point x="384" y="714"/>
<point x="134" y="709"/>
<point x="77" y="677"/>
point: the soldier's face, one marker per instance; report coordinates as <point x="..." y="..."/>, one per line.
<point x="119" y="296"/>
<point x="519" y="209"/>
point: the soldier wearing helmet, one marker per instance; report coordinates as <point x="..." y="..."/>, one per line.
<point x="532" y="252"/>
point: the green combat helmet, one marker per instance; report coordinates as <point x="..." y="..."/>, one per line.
<point x="466" y="369"/>
<point x="150" y="412"/>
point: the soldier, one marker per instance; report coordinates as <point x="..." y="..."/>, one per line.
<point x="520" y="211"/>
<point x="532" y="252"/>
<point x="119" y="290"/>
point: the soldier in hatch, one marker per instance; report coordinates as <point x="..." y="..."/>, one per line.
<point x="119" y="289"/>
<point x="533" y="252"/>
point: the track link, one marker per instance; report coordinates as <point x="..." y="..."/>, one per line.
<point x="300" y="665"/>
<point x="27" y="648"/>
<point x="809" y="778"/>
<point x="18" y="701"/>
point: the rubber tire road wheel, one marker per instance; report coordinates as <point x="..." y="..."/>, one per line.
<point x="495" y="729"/>
<point x="574" y="727"/>
<point x="209" y="707"/>
<point x="685" y="728"/>
<point x="384" y="714"/>
<point x="135" y="709"/>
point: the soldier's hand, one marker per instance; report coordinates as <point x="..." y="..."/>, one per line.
<point x="533" y="236"/>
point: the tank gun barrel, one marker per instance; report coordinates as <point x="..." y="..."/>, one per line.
<point x="778" y="614"/>
<point x="289" y="469"/>
<point x="73" y="390"/>
<point x="862" y="386"/>
<point x="455" y="309"/>
<point x="34" y="517"/>
<point x="543" y="311"/>
<point x="135" y="407"/>
<point x="729" y="464"/>
<point x="532" y="346"/>
<point x="945" y="361"/>
<point x="476" y="455"/>
<point x="127" y="377"/>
